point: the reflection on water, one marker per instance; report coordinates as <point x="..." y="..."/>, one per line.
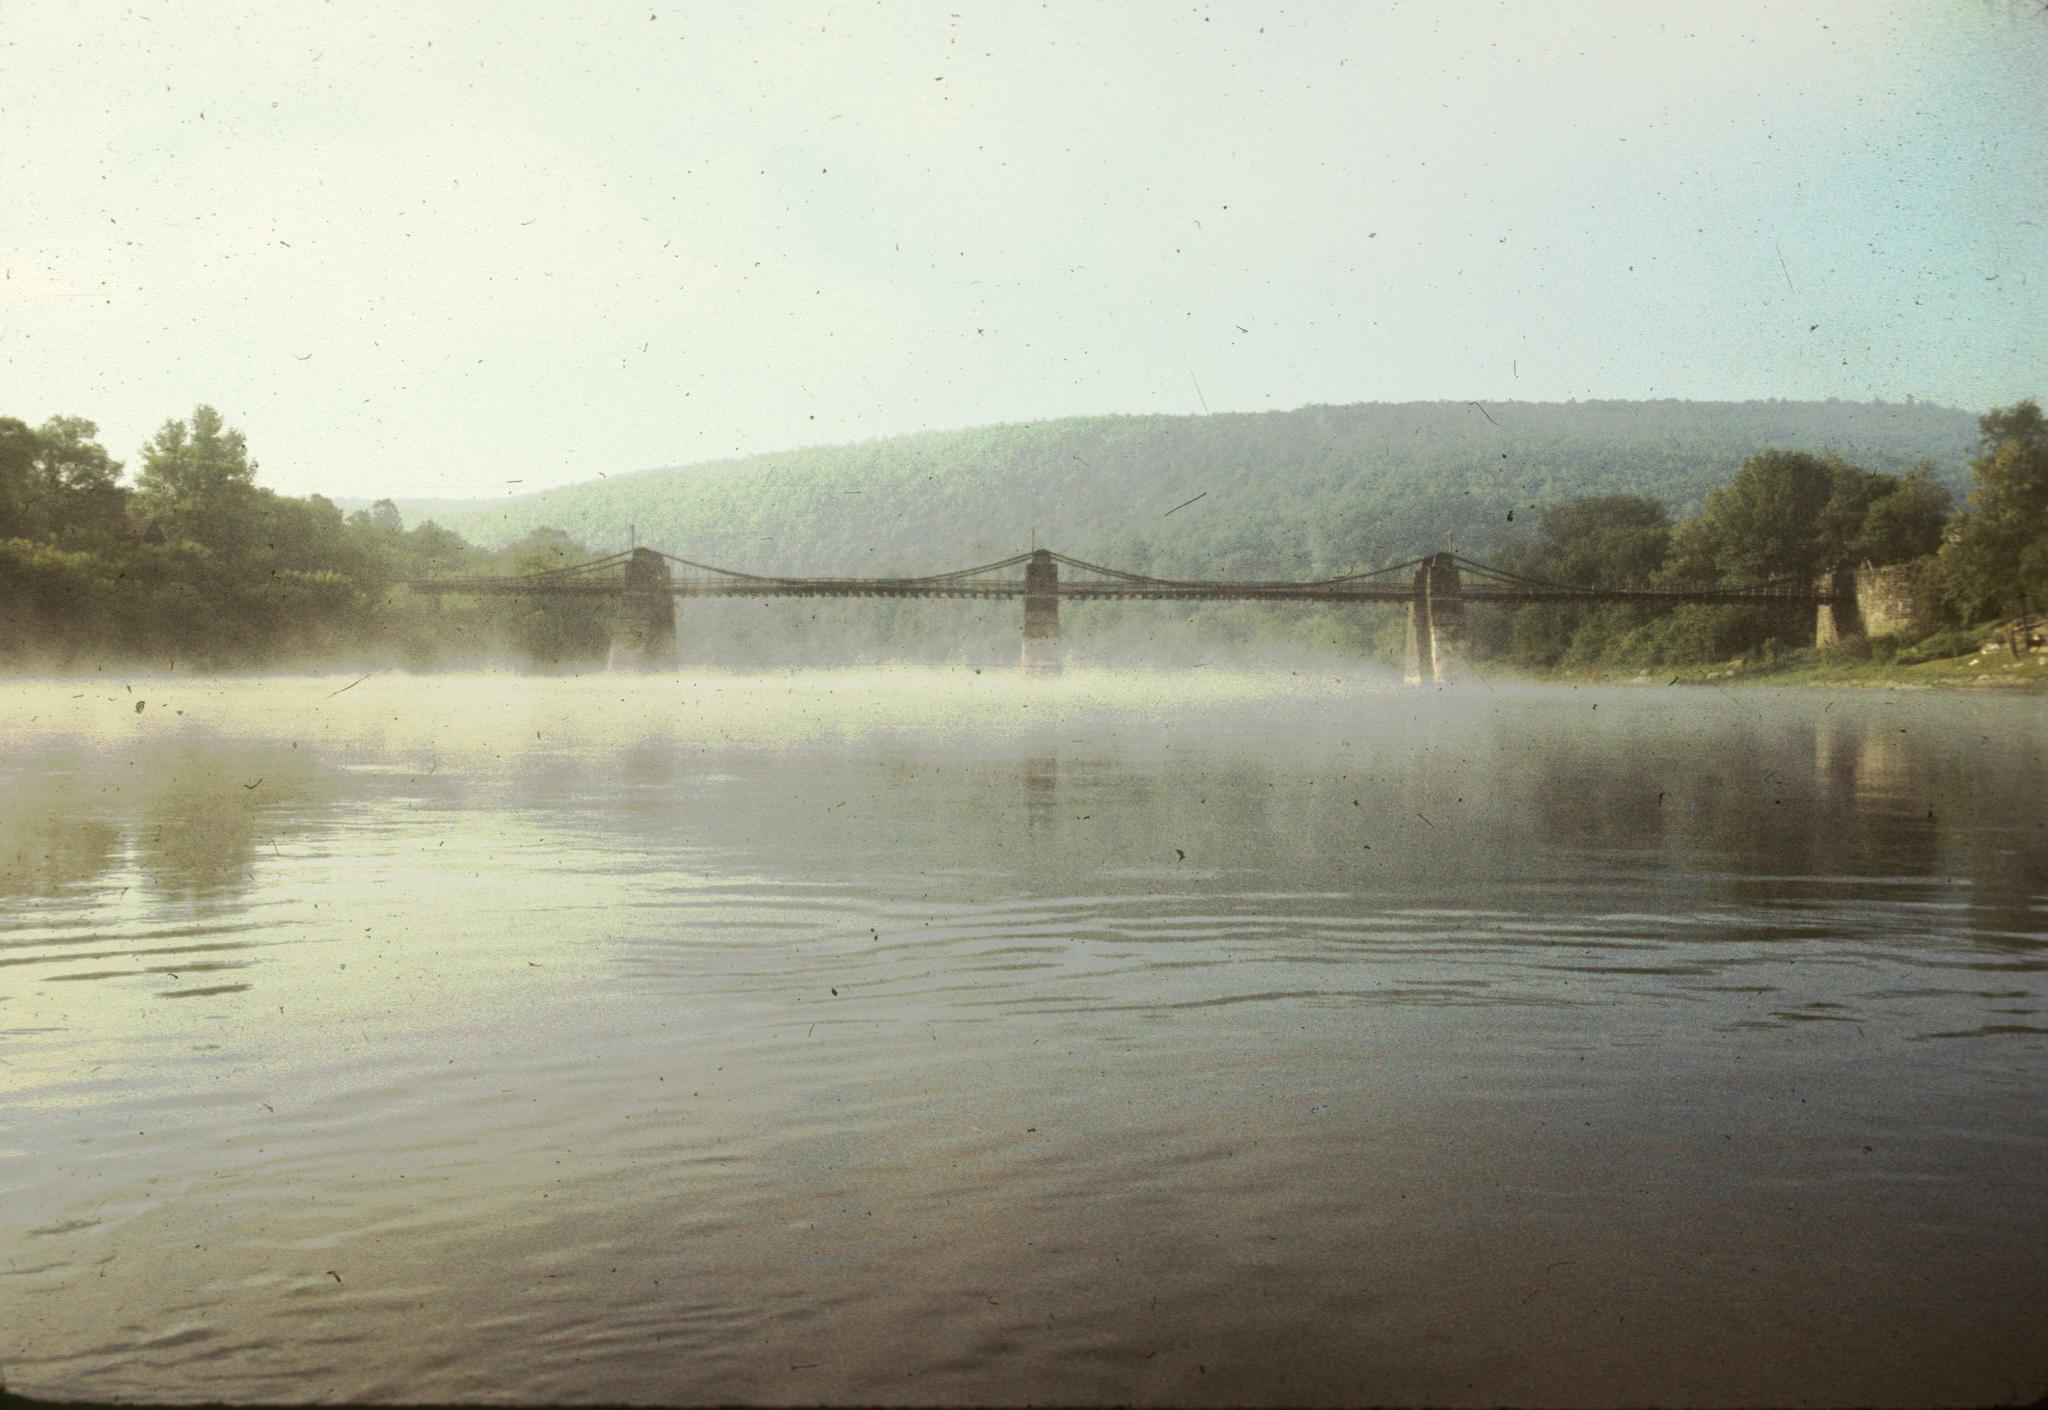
<point x="927" y="1036"/>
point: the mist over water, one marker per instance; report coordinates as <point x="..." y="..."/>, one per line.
<point x="933" y="1035"/>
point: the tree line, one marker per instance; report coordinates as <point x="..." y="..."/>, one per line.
<point x="194" y="563"/>
<point x="1792" y="517"/>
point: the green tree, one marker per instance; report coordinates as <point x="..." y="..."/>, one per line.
<point x="2033" y="571"/>
<point x="1613" y="540"/>
<point x="1790" y="515"/>
<point x="1995" y="556"/>
<point x="198" y="482"/>
<point x="18" y="447"/>
<point x="77" y="485"/>
<point x="1773" y="519"/>
<point x="1599" y="541"/>
<point x="432" y="549"/>
<point x="1784" y="516"/>
<point x="1904" y="524"/>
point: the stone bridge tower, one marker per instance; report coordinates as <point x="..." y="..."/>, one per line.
<point x="1438" y="647"/>
<point x="1870" y="601"/>
<point x="644" y="634"/>
<point x="1042" y="654"/>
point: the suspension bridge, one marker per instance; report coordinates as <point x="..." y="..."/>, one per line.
<point x="1435" y="589"/>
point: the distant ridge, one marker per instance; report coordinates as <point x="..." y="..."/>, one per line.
<point x="1317" y="490"/>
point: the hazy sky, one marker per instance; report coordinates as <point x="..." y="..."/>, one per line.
<point x="432" y="248"/>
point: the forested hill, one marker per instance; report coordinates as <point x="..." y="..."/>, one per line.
<point x="1317" y="491"/>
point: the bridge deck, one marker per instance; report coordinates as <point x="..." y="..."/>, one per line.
<point x="646" y="572"/>
<point x="1127" y="592"/>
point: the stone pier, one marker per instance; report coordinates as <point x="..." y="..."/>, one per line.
<point x="1438" y="645"/>
<point x="1042" y="654"/>
<point x="1869" y="601"/>
<point x="644" y="636"/>
<point x="1420" y="668"/>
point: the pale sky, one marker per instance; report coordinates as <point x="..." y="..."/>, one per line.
<point x="442" y="249"/>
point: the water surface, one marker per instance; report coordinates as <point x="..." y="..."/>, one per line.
<point x="930" y="1036"/>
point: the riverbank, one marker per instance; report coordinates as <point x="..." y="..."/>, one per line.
<point x="1990" y="670"/>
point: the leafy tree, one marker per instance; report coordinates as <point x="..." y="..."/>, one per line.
<point x="197" y="480"/>
<point x="76" y="483"/>
<point x="1776" y="519"/>
<point x="1601" y="541"/>
<point x="2033" y="571"/>
<point x="1905" y="523"/>
<point x="1852" y="494"/>
<point x="1694" y="556"/>
<point x="1994" y="558"/>
<point x="18" y="448"/>
<point x="1604" y="541"/>
<point x="433" y="549"/>
<point x="1784" y="515"/>
<point x="1790" y="515"/>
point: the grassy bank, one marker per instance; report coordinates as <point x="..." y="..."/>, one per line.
<point x="1931" y="664"/>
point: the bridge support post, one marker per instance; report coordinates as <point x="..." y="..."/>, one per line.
<point x="1042" y="654"/>
<point x="1450" y="645"/>
<point x="1438" y="644"/>
<point x="1839" y="620"/>
<point x="1419" y="667"/>
<point x="644" y="636"/>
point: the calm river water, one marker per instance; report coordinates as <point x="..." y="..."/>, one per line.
<point x="934" y="1036"/>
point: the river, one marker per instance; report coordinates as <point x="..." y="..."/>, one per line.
<point x="931" y="1036"/>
